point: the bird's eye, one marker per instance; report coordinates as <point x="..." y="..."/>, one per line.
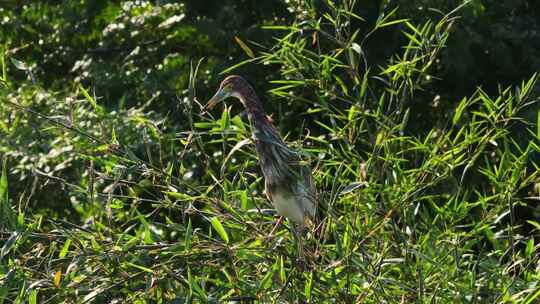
<point x="227" y="88"/>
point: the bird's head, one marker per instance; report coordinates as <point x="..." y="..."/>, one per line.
<point x="231" y="86"/>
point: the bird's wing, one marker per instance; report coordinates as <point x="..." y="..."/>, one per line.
<point x="305" y="186"/>
<point x="282" y="165"/>
<point x="309" y="197"/>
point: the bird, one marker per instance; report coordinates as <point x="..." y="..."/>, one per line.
<point x="288" y="179"/>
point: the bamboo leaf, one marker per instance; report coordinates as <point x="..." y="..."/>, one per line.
<point x="219" y="228"/>
<point x="145" y="269"/>
<point x="89" y="98"/>
<point x="32" y="299"/>
<point x="236" y="66"/>
<point x="65" y="249"/>
<point x="7" y="215"/>
<point x="351" y="187"/>
<point x="224" y="121"/>
<point x="459" y="110"/>
<point x="187" y="238"/>
<point x="244" y="47"/>
<point x="179" y="196"/>
<point x="57" y="278"/>
<point x="20" y="65"/>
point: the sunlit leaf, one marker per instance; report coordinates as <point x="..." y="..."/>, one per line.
<point x="352" y="186"/>
<point x="244" y="47"/>
<point x="20" y="65"/>
<point x="216" y="223"/>
<point x="57" y="278"/>
<point x="65" y="249"/>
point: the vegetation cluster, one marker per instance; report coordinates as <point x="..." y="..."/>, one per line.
<point x="420" y="120"/>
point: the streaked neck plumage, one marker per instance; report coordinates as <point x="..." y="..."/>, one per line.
<point x="256" y="114"/>
<point x="274" y="155"/>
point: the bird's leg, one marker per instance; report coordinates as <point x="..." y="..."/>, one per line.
<point x="298" y="229"/>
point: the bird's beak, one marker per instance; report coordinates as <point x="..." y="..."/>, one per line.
<point x="219" y="96"/>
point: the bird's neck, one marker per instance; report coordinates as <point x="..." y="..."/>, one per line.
<point x="254" y="107"/>
<point x="274" y="155"/>
<point x="264" y="133"/>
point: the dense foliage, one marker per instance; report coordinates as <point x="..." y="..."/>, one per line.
<point x="420" y="119"/>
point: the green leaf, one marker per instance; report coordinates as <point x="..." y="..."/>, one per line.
<point x="95" y="245"/>
<point x="244" y="47"/>
<point x="244" y="199"/>
<point x="146" y="269"/>
<point x="532" y="297"/>
<point x="308" y="286"/>
<point x="266" y="281"/>
<point x="224" y="121"/>
<point x="530" y="248"/>
<point x="351" y="187"/>
<point x="393" y="22"/>
<point x="364" y="86"/>
<point x="4" y="182"/>
<point x="188" y="235"/>
<point x="180" y="196"/>
<point x="535" y="224"/>
<point x="7" y="215"/>
<point x="32" y="299"/>
<point x="282" y="274"/>
<point x="220" y="230"/>
<point x="4" y="69"/>
<point x="234" y="67"/>
<point x="20" y="65"/>
<point x="383" y="19"/>
<point x="194" y="285"/>
<point x="237" y="121"/>
<point x="205" y="125"/>
<point x="538" y="126"/>
<point x="459" y="110"/>
<point x="65" y="249"/>
<point x="91" y="100"/>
